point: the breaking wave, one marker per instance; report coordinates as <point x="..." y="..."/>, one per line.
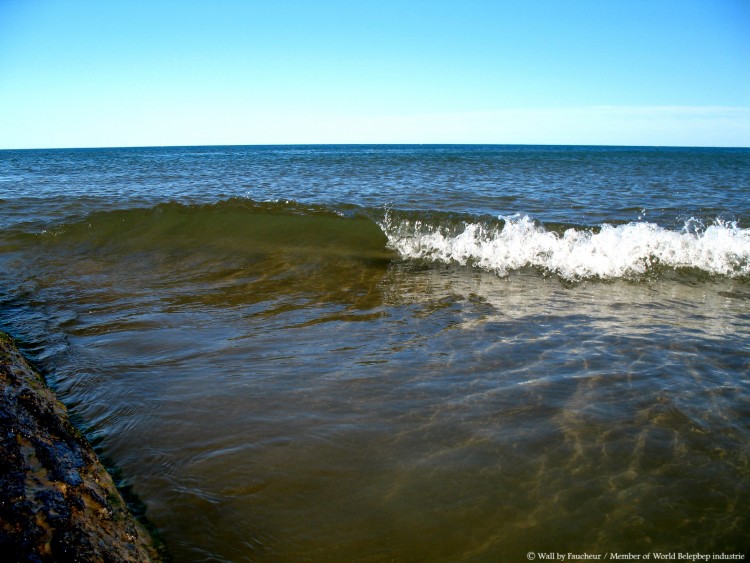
<point x="632" y="250"/>
<point x="240" y="228"/>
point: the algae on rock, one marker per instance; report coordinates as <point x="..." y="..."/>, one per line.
<point x="57" y="501"/>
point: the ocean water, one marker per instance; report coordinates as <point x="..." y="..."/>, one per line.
<point x="397" y="353"/>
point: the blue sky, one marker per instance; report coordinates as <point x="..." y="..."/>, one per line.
<point x="89" y="73"/>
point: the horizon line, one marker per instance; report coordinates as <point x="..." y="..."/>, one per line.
<point x="365" y="144"/>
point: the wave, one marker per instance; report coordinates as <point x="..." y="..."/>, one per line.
<point x="241" y="227"/>
<point x="632" y="250"/>
<point x="233" y="226"/>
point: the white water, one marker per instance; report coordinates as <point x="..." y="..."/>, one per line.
<point x="624" y="251"/>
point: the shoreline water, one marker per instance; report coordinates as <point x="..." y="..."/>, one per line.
<point x="401" y="353"/>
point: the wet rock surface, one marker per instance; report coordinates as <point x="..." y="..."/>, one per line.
<point x="57" y="501"/>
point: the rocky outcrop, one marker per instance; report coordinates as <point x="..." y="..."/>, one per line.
<point x="57" y="501"/>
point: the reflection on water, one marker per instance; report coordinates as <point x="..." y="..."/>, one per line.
<point x="299" y="405"/>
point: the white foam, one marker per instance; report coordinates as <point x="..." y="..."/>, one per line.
<point x="628" y="251"/>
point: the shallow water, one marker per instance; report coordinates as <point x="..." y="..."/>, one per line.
<point x="283" y="381"/>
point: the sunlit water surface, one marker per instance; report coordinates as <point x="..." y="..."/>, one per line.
<point x="284" y="384"/>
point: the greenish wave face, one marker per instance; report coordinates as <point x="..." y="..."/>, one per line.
<point x="295" y="234"/>
<point x="231" y="226"/>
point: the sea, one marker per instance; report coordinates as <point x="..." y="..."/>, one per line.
<point x="397" y="352"/>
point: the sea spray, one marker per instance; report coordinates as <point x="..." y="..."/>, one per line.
<point x="629" y="250"/>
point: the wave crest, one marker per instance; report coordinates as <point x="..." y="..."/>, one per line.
<point x="623" y="251"/>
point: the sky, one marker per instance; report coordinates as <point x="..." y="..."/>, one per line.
<point x="92" y="73"/>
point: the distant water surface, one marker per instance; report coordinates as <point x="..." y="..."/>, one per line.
<point x="398" y="353"/>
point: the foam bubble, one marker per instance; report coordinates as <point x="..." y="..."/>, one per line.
<point x="628" y="251"/>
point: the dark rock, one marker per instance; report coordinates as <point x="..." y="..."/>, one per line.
<point x="57" y="501"/>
